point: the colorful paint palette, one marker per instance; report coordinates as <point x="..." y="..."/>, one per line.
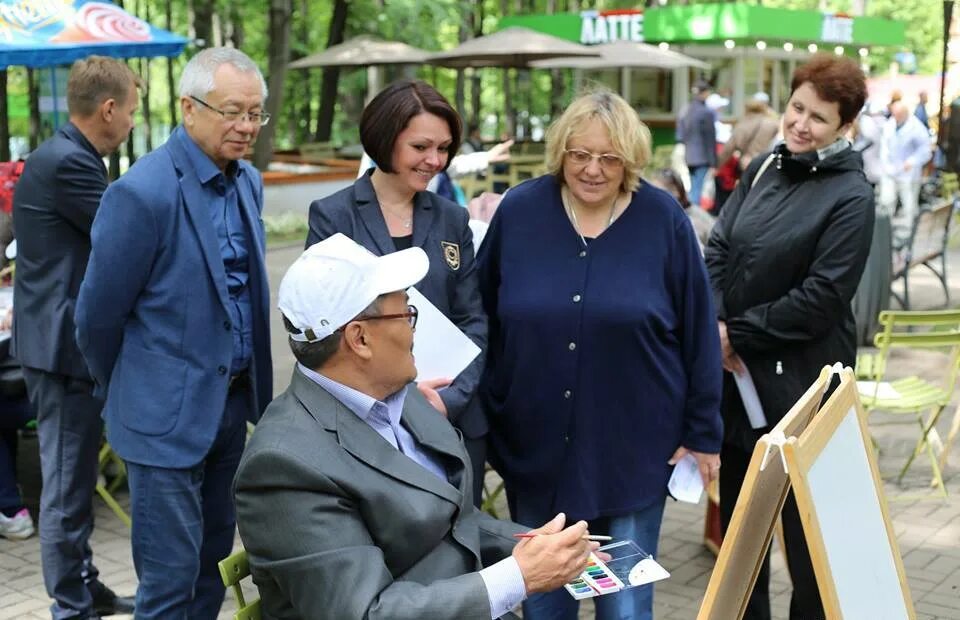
<point x="595" y="580"/>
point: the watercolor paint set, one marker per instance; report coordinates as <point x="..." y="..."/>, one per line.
<point x="628" y="566"/>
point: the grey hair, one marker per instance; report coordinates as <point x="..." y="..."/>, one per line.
<point x="197" y="77"/>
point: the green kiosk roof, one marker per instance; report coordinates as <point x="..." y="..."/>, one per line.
<point x="713" y="24"/>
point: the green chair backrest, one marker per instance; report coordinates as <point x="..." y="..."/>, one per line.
<point x="233" y="569"/>
<point x="942" y="331"/>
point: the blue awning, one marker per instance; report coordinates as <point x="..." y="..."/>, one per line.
<point x="46" y="33"/>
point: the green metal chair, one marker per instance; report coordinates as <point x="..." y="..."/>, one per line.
<point x="233" y="569"/>
<point x="915" y="396"/>
<point x="106" y="458"/>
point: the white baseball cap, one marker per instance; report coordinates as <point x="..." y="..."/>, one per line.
<point x="333" y="281"/>
<point x="715" y="101"/>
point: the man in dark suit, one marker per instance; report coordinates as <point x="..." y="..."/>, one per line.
<point x="172" y="319"/>
<point x="53" y="208"/>
<point x="353" y="496"/>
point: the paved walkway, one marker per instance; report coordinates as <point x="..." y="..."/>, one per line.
<point x="928" y="530"/>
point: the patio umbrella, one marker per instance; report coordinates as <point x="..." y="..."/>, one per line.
<point x="511" y="47"/>
<point x="363" y="51"/>
<point x="624" y="54"/>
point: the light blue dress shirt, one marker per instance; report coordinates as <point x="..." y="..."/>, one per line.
<point x="504" y="581"/>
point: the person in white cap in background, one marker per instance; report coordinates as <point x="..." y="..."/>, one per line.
<point x="353" y="495"/>
<point x="869" y="135"/>
<point x="904" y="150"/>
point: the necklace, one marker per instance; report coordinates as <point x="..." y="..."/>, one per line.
<point x="407" y="222"/>
<point x="573" y="215"/>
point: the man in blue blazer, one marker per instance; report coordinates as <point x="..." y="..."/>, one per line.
<point x="53" y="208"/>
<point x="173" y="321"/>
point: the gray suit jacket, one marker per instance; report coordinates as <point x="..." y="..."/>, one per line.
<point x="441" y="229"/>
<point x="339" y="524"/>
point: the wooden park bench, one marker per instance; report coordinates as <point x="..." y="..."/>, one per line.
<point x="926" y="246"/>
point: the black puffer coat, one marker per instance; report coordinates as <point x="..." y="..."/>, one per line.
<point x="785" y="259"/>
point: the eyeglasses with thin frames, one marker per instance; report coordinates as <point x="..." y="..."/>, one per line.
<point x="411" y="315"/>
<point x="257" y="118"/>
<point x="610" y="161"/>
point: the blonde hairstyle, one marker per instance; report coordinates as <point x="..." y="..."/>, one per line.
<point x="629" y="136"/>
<point x="95" y="79"/>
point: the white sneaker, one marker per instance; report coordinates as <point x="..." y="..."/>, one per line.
<point x="17" y="527"/>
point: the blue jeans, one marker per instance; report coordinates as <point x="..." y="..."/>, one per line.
<point x="642" y="527"/>
<point x="697" y="176"/>
<point x="183" y="524"/>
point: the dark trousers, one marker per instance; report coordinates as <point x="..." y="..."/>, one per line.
<point x="805" y="601"/>
<point x="14" y="415"/>
<point x="183" y="524"/>
<point x="69" y="430"/>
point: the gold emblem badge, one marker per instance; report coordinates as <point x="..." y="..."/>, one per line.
<point x="451" y="254"/>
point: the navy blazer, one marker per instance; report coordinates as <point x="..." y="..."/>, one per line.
<point x="152" y="319"/>
<point x="441" y="229"/>
<point x="54" y="204"/>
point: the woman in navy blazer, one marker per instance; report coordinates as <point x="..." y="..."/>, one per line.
<point x="604" y="359"/>
<point x="411" y="131"/>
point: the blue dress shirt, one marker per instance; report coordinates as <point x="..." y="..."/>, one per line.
<point x="504" y="581"/>
<point x="221" y="191"/>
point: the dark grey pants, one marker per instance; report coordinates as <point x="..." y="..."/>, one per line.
<point x="69" y="429"/>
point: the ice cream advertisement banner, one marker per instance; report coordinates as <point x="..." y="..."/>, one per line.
<point x="33" y="31"/>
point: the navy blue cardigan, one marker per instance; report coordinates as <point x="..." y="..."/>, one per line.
<point x="601" y="360"/>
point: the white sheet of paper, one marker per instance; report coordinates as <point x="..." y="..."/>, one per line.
<point x="751" y="401"/>
<point x="884" y="391"/>
<point x="685" y="483"/>
<point x="440" y="349"/>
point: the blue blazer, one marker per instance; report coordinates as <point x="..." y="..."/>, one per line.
<point x="152" y="318"/>
<point x="441" y="229"/>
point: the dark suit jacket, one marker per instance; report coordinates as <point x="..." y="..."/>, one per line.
<point x="451" y="285"/>
<point x="340" y="524"/>
<point x="54" y="203"/>
<point x="152" y="317"/>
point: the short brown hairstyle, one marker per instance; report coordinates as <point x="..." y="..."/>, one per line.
<point x="95" y="79"/>
<point x="390" y="112"/>
<point x="836" y="79"/>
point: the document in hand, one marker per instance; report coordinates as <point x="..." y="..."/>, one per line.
<point x="440" y="349"/>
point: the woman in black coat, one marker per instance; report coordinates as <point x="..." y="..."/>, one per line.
<point x="784" y="259"/>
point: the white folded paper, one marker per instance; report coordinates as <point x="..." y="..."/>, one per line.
<point x="440" y="349"/>
<point x="751" y="401"/>
<point x="685" y="483"/>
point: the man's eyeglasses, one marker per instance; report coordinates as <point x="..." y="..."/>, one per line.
<point x="257" y="118"/>
<point x="411" y="316"/>
<point x="580" y="157"/>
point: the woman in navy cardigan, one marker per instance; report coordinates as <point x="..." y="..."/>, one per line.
<point x="603" y="365"/>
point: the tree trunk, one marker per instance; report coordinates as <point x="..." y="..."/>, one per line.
<point x="143" y="65"/>
<point x="4" y="119"/>
<point x="236" y="26"/>
<point x="281" y="13"/>
<point x="331" y="75"/>
<point x="460" y="96"/>
<point x="301" y="78"/>
<point x="202" y="21"/>
<point x="171" y="82"/>
<point x="509" y="112"/>
<point x="33" y="94"/>
<point x="475" y="85"/>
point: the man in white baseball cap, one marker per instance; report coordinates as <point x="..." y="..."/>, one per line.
<point x="354" y="494"/>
